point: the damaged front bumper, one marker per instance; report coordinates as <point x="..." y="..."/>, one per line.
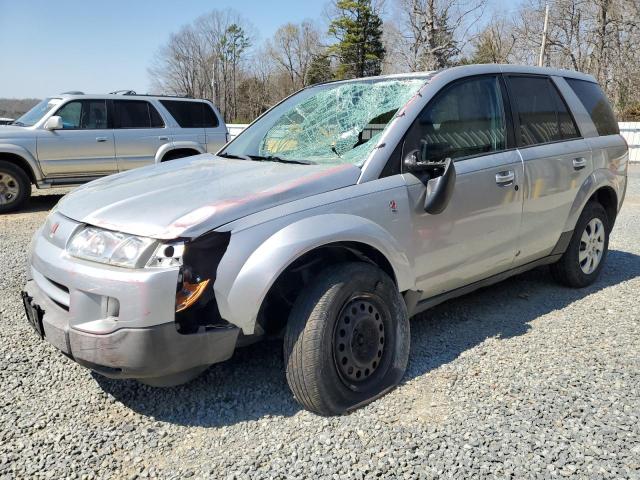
<point x="116" y="321"/>
<point x="150" y="352"/>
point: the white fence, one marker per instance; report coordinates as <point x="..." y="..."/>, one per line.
<point x="631" y="133"/>
<point x="629" y="130"/>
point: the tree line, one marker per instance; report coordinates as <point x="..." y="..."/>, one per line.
<point x="219" y="55"/>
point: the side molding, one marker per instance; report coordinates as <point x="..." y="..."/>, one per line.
<point x="241" y="287"/>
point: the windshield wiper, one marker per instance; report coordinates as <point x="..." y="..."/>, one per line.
<point x="18" y="124"/>
<point x="271" y="158"/>
<point x="234" y="156"/>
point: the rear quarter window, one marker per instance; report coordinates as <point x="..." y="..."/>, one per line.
<point x="595" y="102"/>
<point x="191" y="114"/>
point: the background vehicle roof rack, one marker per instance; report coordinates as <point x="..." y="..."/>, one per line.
<point x="73" y="92"/>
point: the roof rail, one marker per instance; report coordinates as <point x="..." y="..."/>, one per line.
<point x="123" y="92"/>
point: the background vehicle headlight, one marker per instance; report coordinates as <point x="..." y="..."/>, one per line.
<point x="114" y="248"/>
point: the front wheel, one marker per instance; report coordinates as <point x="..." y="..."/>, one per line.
<point x="15" y="187"/>
<point x="347" y="339"/>
<point x="584" y="258"/>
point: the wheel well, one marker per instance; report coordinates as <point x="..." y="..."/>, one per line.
<point x="179" y="153"/>
<point x="606" y="196"/>
<point x="278" y="302"/>
<point x="20" y="162"/>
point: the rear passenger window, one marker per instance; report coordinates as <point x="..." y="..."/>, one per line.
<point x="465" y="119"/>
<point x="541" y="112"/>
<point x="191" y="114"/>
<point x="596" y="104"/>
<point x="136" y="114"/>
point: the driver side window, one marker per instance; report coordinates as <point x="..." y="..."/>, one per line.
<point x="465" y="119"/>
<point x="84" y="114"/>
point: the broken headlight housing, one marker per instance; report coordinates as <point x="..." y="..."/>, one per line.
<point x="113" y="248"/>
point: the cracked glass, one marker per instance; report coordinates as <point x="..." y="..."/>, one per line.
<point x="330" y="123"/>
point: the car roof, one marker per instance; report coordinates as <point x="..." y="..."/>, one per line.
<point x="467" y="70"/>
<point x="111" y="96"/>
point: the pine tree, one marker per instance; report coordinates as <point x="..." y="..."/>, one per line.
<point x="319" y="69"/>
<point x="358" y="30"/>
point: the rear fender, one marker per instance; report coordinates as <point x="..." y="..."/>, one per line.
<point x="598" y="179"/>
<point x="167" y="147"/>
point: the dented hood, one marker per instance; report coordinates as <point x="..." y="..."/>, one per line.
<point x="186" y="198"/>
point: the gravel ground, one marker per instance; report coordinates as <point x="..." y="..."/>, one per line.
<point x="522" y="379"/>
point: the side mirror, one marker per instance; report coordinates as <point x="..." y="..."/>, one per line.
<point x="440" y="189"/>
<point x="53" y="123"/>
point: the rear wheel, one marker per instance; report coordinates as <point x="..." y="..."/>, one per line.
<point x="347" y="339"/>
<point x="15" y="187"/>
<point x="584" y="258"/>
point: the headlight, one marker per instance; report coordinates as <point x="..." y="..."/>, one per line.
<point x="114" y="248"/>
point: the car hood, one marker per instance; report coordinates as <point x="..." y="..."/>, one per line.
<point x="189" y="197"/>
<point x="12" y="131"/>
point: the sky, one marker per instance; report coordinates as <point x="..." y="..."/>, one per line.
<point x="51" y="46"/>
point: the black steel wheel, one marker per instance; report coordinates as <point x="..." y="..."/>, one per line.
<point x="347" y="340"/>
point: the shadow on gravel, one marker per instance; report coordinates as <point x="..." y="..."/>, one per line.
<point x="504" y="310"/>
<point x="38" y="203"/>
<point x="252" y="384"/>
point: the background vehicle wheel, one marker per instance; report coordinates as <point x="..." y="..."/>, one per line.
<point x="347" y="339"/>
<point x="584" y="258"/>
<point x="15" y="187"/>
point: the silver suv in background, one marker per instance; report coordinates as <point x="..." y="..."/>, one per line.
<point x="74" y="138"/>
<point x="310" y="225"/>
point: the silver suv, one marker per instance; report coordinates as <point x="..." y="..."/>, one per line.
<point x="74" y="138"/>
<point x="332" y="219"/>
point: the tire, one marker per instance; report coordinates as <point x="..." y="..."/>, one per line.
<point x="575" y="268"/>
<point x="15" y="187"/>
<point x="347" y="340"/>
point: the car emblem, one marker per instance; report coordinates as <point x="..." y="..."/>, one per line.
<point x="393" y="206"/>
<point x="53" y="229"/>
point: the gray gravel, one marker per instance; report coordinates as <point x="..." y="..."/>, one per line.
<point x="523" y="379"/>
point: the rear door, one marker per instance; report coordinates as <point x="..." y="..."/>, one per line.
<point x="190" y="117"/>
<point x="139" y="132"/>
<point x="557" y="161"/>
<point x="476" y="236"/>
<point x="85" y="144"/>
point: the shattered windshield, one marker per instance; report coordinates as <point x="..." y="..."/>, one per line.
<point x="330" y="123"/>
<point x="36" y="113"/>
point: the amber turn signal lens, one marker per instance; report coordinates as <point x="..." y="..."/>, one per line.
<point x="189" y="293"/>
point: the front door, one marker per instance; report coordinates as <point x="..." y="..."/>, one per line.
<point x="476" y="236"/>
<point x="83" y="147"/>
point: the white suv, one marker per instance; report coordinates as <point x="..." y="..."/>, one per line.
<point x="74" y="138"/>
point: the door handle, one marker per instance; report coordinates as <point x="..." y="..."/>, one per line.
<point x="163" y="138"/>
<point x="579" y="163"/>
<point x="101" y="139"/>
<point x="506" y="178"/>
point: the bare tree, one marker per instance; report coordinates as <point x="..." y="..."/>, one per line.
<point x="293" y="49"/>
<point x="433" y="33"/>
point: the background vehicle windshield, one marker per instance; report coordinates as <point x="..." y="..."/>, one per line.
<point x="330" y="123"/>
<point x="36" y="113"/>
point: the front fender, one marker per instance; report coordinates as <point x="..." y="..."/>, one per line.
<point x="24" y="154"/>
<point x="601" y="177"/>
<point x="241" y="286"/>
